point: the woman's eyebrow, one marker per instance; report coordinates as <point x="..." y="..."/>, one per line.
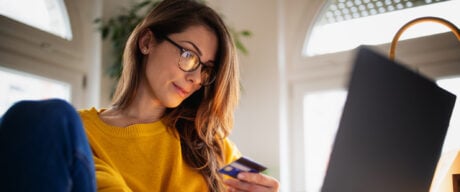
<point x="199" y="51"/>
<point x="194" y="46"/>
<point x="210" y="63"/>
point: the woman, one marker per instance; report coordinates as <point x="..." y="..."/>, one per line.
<point x="173" y="108"/>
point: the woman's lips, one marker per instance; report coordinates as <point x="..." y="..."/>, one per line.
<point x="181" y="91"/>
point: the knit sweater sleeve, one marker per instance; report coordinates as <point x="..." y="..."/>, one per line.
<point x="109" y="180"/>
<point x="231" y="152"/>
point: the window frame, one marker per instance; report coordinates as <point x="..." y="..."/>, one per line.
<point x="76" y="61"/>
<point x="331" y="71"/>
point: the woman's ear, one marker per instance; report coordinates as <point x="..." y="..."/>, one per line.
<point x="146" y="41"/>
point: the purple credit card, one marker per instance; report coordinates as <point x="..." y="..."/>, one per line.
<point x="243" y="164"/>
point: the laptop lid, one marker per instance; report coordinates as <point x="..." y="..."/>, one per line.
<point x="391" y="130"/>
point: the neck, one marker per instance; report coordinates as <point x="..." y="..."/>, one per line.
<point x="144" y="108"/>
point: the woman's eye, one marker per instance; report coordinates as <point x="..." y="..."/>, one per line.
<point x="187" y="54"/>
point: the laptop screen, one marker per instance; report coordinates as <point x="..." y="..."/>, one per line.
<point x="391" y="131"/>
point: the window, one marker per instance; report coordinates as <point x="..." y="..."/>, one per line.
<point x="16" y="86"/>
<point x="346" y="24"/>
<point x="451" y="142"/>
<point x="322" y="112"/>
<point x="47" y="15"/>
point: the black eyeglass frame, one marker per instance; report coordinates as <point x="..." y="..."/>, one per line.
<point x="182" y="50"/>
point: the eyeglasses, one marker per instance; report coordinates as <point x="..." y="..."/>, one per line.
<point x="189" y="62"/>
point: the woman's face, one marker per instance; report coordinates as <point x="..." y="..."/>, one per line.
<point x="165" y="82"/>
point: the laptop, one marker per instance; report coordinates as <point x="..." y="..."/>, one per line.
<point x="391" y="131"/>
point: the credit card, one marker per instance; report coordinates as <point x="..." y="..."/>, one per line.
<point x="243" y="164"/>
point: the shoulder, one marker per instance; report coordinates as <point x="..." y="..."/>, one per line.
<point x="90" y="117"/>
<point x="87" y="111"/>
<point x="230" y="150"/>
<point x="88" y="114"/>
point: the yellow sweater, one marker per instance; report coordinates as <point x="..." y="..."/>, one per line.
<point x="142" y="157"/>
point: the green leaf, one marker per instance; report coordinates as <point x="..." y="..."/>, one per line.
<point x="240" y="46"/>
<point x="105" y="32"/>
<point x="246" y="33"/>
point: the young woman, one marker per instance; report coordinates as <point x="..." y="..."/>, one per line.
<point x="173" y="108"/>
<point x="167" y="127"/>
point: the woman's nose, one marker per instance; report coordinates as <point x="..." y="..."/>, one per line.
<point x="194" y="76"/>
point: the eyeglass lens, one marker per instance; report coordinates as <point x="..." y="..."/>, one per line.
<point x="189" y="62"/>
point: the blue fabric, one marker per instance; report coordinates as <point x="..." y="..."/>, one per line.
<point x="43" y="147"/>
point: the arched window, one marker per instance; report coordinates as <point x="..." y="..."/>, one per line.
<point x="346" y="24"/>
<point x="47" y="15"/>
<point x="319" y="75"/>
<point x="39" y="54"/>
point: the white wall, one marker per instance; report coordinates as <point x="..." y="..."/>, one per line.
<point x="256" y="130"/>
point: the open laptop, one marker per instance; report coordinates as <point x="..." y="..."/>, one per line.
<point x="391" y="130"/>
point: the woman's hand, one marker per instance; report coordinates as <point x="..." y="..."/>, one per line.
<point x="253" y="182"/>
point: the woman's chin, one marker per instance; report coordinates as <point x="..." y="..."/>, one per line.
<point x="173" y="104"/>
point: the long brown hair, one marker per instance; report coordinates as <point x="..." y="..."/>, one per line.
<point x="206" y="117"/>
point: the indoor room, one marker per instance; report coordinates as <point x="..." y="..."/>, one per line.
<point x="295" y="62"/>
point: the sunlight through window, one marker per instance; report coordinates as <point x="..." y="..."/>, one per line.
<point x="322" y="112"/>
<point x="16" y="86"/>
<point x="47" y="15"/>
<point x="347" y="24"/>
<point x="451" y="143"/>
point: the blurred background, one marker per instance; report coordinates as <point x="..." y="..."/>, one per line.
<point x="293" y="76"/>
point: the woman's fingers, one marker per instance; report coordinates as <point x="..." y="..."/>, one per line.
<point x="252" y="182"/>
<point x="259" y="179"/>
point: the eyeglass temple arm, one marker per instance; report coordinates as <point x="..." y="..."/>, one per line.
<point x="451" y="26"/>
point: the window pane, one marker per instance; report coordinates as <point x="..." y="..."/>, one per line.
<point x="322" y="111"/>
<point x="47" y="15"/>
<point x="347" y="24"/>
<point x="15" y="86"/>
<point x="446" y="166"/>
<point x="452" y="142"/>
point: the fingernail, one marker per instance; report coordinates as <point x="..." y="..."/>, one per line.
<point x="240" y="176"/>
